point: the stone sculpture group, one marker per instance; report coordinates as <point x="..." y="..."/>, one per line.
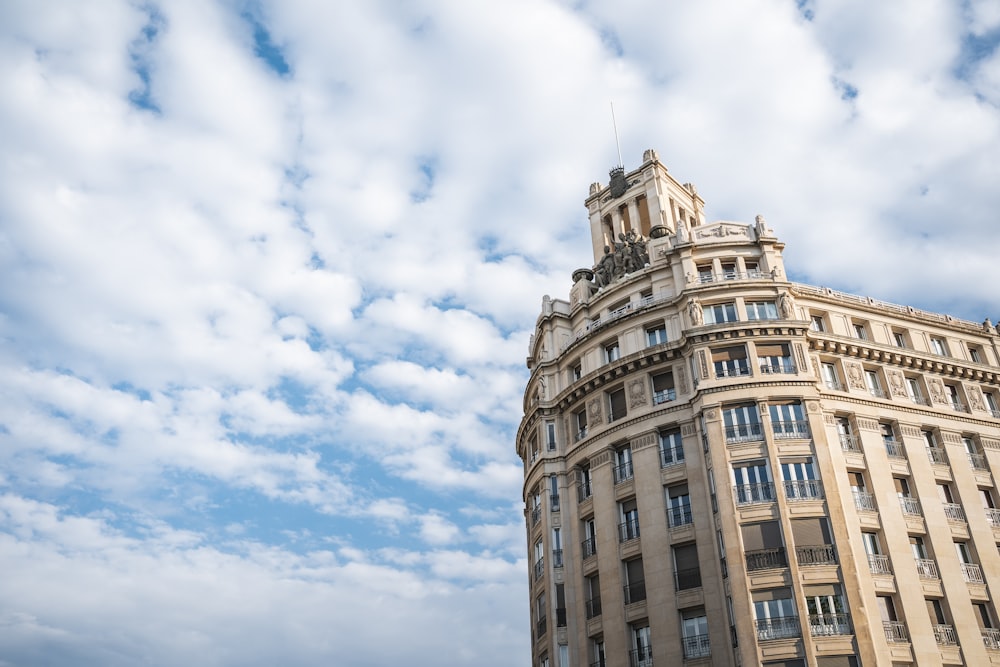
<point x="628" y="255"/>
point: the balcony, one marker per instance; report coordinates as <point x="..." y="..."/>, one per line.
<point x="780" y="366"/>
<point x="919" y="400"/>
<point x="536" y="514"/>
<point x="849" y="443"/>
<point x="539" y="568"/>
<point x="823" y="554"/>
<point x="780" y="627"/>
<point x="671" y="456"/>
<point x="679" y="516"/>
<point x="753" y="494"/>
<point x="705" y="278"/>
<point x="628" y="530"/>
<point x="894" y="449"/>
<point x="584" y="491"/>
<point x="623" y="472"/>
<point x="589" y="547"/>
<point x="803" y="489"/>
<point x="553" y="503"/>
<point x="972" y="573"/>
<point x="790" y="429"/>
<point x="876" y="392"/>
<point x="911" y="506"/>
<point x="864" y="501"/>
<point x="834" y="385"/>
<point x="581" y="434"/>
<point x="635" y="592"/>
<point x="743" y="433"/>
<point x="978" y="461"/>
<point x="664" y="396"/>
<point x="828" y="625"/>
<point x="954" y="512"/>
<point x="991" y="638"/>
<point x="993" y="516"/>
<point x="945" y="635"/>
<point x="927" y="569"/>
<point x="686" y="579"/>
<point x="696" y="646"/>
<point x="593" y="608"/>
<point x="895" y="632"/>
<point x="641" y="657"/>
<point x="958" y="406"/>
<point x="737" y="370"/>
<point x="879" y="564"/>
<point x="557" y="558"/>
<point x="542" y="626"/>
<point x="936" y="455"/>
<point x="766" y="559"/>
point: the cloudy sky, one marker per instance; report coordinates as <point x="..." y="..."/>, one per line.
<point x="269" y="270"/>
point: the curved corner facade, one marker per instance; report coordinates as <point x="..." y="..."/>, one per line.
<point x="722" y="467"/>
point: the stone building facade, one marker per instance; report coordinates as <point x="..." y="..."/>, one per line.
<point x="723" y="467"/>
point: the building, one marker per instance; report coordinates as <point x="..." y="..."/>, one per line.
<point x="723" y="467"/>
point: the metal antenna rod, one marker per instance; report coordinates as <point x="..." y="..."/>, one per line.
<point x="614" y="123"/>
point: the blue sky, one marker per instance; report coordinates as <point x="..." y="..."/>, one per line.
<point x="270" y="269"/>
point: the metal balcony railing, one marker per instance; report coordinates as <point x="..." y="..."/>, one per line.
<point x="826" y="625"/>
<point x="751" y="494"/>
<point x="557" y="558"/>
<point x="895" y="632"/>
<point x="894" y="450"/>
<point x="635" y="592"/>
<point x="958" y="406"/>
<point x="623" y="472"/>
<point x="584" y="491"/>
<point x="536" y="514"/>
<point x="803" y="489"/>
<point x="919" y="399"/>
<point x="849" y="443"/>
<point x="945" y="635"/>
<point x="991" y="638"/>
<point x="790" y="429"/>
<point x="696" y="646"/>
<point x="628" y="530"/>
<point x="823" y="554"/>
<point x="581" y="434"/>
<point x="779" y="366"/>
<point x="993" y="516"/>
<point x="589" y="547"/>
<point x="679" y="516"/>
<point x="553" y="503"/>
<point x="539" y="568"/>
<point x="834" y="385"/>
<point x="593" y="607"/>
<point x="779" y="627"/>
<point x="910" y="505"/>
<point x="685" y="579"/>
<point x="936" y="455"/>
<point x="744" y="433"/>
<point x="864" y="501"/>
<point x="542" y="625"/>
<point x="737" y="370"/>
<point x="671" y="456"/>
<point x="978" y="461"/>
<point x="954" y="512"/>
<point x="927" y="569"/>
<point x="766" y="559"/>
<point x="879" y="564"/>
<point x="973" y="573"/>
<point x="641" y="657"/>
<point x="664" y="396"/>
<point x="733" y="275"/>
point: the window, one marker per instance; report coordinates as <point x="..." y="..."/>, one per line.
<point x="540" y="614"/>
<point x="752" y="483"/>
<point x="830" y="378"/>
<point x="761" y="310"/>
<point x="671" y="448"/>
<point x="788" y="420"/>
<point x="580" y="419"/>
<point x="590" y="538"/>
<point x="954" y="398"/>
<point x="536" y="506"/>
<point x="656" y="335"/>
<point x="975" y="354"/>
<point x="863" y="501"/>
<point x="616" y="404"/>
<point x="763" y="547"/>
<point x="991" y="403"/>
<point x="584" y="486"/>
<point x="914" y="391"/>
<point x="719" y="313"/>
<point x="892" y="446"/>
<point x="575" y="371"/>
<point x="934" y="453"/>
<point x="554" y="493"/>
<point x="813" y="541"/>
<point x="623" y="464"/>
<point x="817" y="323"/>
<point x="752" y="267"/>
<point x="642" y="648"/>
<point x="687" y="571"/>
<point x="799" y="477"/>
<point x="635" y="581"/>
<point x="774" y="358"/>
<point x="826" y="609"/>
<point x="533" y="448"/>
<point x="729" y="270"/>
<point x="846" y="434"/>
<point x="899" y="338"/>
<point x="705" y="273"/>
<point x="873" y="384"/>
<point x="557" y="550"/>
<point x="730" y="361"/>
<point x="976" y="460"/>
<point x="694" y="633"/>
<point x="592" y="589"/>
<point x="597" y="651"/>
<point x="629" y="527"/>
<point x="663" y="388"/>
<point x="774" y="612"/>
<point x="741" y="423"/>
<point x="939" y="347"/>
<point x="860" y="330"/>
<point x="678" y="506"/>
<point x="539" y="560"/>
<point x="612" y="352"/>
<point x="550" y="435"/>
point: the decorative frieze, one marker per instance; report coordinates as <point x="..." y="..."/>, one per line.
<point x="867" y="424"/>
<point x="595" y="412"/>
<point x="855" y="375"/>
<point x="897" y="383"/>
<point x="643" y="441"/>
<point x="637" y="393"/>
<point x="703" y="363"/>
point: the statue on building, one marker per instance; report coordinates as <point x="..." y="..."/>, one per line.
<point x="786" y="306"/>
<point x="629" y="255"/>
<point x="695" y="311"/>
<point x="761" y="227"/>
<point x="604" y="271"/>
<point x="682" y="231"/>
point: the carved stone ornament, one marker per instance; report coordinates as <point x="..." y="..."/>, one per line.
<point x="855" y="376"/>
<point x="703" y="362"/>
<point x="682" y="383"/>
<point x="936" y="389"/>
<point x="897" y="383"/>
<point x="800" y="353"/>
<point x="786" y="306"/>
<point x="594" y="412"/>
<point x="975" y="395"/>
<point x="628" y="256"/>
<point x="636" y="393"/>
<point x="711" y="414"/>
<point x="722" y="231"/>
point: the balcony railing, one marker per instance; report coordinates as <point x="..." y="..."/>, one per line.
<point x="628" y="530"/>
<point x="894" y="450"/>
<point x="849" y="443"/>
<point x="635" y="592"/>
<point x="876" y="392"/>
<point x="911" y="506"/>
<point x="895" y="632"/>
<point x="879" y="564"/>
<point x="936" y="455"/>
<point x="954" y="512"/>
<point x="679" y="516"/>
<point x="864" y="501"/>
<point x="733" y="275"/>
<point x="803" y="489"/>
<point x="790" y="429"/>
<point x="927" y="569"/>
<point x="993" y="516"/>
<point x="542" y="625"/>
<point x="584" y="491"/>
<point x="696" y="646"/>
<point x="685" y="579"/>
<point x="958" y="406"/>
<point x="623" y="472"/>
<point x="671" y="456"/>
<point x="589" y="547"/>
<point x="557" y="558"/>
<point x="553" y="503"/>
<point x="991" y="638"/>
<point x="641" y="657"/>
<point x="744" y="433"/>
<point x="560" y="617"/>
<point x="776" y="367"/>
<point x="752" y="494"/>
<point x="766" y="559"/>
<point x="826" y="625"/>
<point x="664" y="396"/>
<point x="779" y="627"/>
<point x="581" y="434"/>
<point x="539" y="568"/>
<point x="973" y="573"/>
<point x="593" y="607"/>
<point x="978" y="461"/>
<point x="738" y="370"/>
<point x="536" y="514"/>
<point x="834" y="385"/>
<point x="823" y="554"/>
<point x="945" y="635"/>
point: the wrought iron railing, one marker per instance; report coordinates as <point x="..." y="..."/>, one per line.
<point x="581" y="434"/>
<point x="593" y="607"/>
<point x="927" y="569"/>
<point x="671" y="456"/>
<point x="991" y="638"/>
<point x="735" y="370"/>
<point x="628" y="530"/>
<point x="936" y="455"/>
<point x="978" y="461"/>
<point x="635" y="592"/>
<point x="542" y="625"/>
<point x="689" y="578"/>
<point x="895" y="632"/>
<point x="823" y="554"/>
<point x="696" y="646"/>
<point x="623" y="472"/>
<point x="973" y="573"/>
<point x="777" y="367"/>
<point x="744" y="433"/>
<point x="993" y="516"/>
<point x="679" y="516"/>
<point x="910" y="505"/>
<point x="641" y="657"/>
<point x="945" y="635"/>
<point x="825" y="625"/>
<point x="803" y="489"/>
<point x="864" y="501"/>
<point x="894" y="449"/>
<point x="539" y="568"/>
<point x="849" y="443"/>
<point x="879" y="564"/>
<point x="557" y="558"/>
<point x="778" y="627"/>
<point x="584" y="490"/>
<point x="766" y="559"/>
<point x="790" y="429"/>
<point x="664" y="396"/>
<point x="954" y="512"/>
<point x="751" y="494"/>
<point x="589" y="547"/>
<point x="536" y="514"/>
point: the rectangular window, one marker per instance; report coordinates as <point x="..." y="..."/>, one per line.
<point x="729" y="270"/>
<point x="663" y="388"/>
<point x="576" y="372"/>
<point x="813" y="542"/>
<point x="954" y="398"/>
<point x="788" y="419"/>
<point x="550" y="435"/>
<point x="763" y="547"/>
<point x="616" y="404"/>
<point x="585" y="488"/>
<point x="719" y="313"/>
<point x="914" y="391"/>
<point x="612" y="352"/>
<point x="592" y="589"/>
<point x="623" y="464"/>
<point x="752" y="267"/>
<point x="991" y="403"/>
<point x="762" y="310"/>
<point x="671" y="448"/>
<point x="860" y="330"/>
<point x="642" y="647"/>
<point x="741" y="423"/>
<point x="705" y="273"/>
<point x="656" y="335"/>
<point x="799" y="477"/>
<point x="590" y="538"/>
<point x="899" y="339"/>
<point x="730" y="361"/>
<point x="873" y="384"/>
<point x="687" y="571"/>
<point x="678" y="506"/>
<point x="580" y="421"/>
<point x="817" y="323"/>
<point x="774" y="612"/>
<point x="629" y="527"/>
<point x="826" y="609"/>
<point x="830" y="377"/>
<point x="752" y="483"/>
<point x="939" y="347"/>
<point x="774" y="358"/>
<point x="694" y="634"/>
<point x="635" y="581"/>
<point x="975" y="355"/>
